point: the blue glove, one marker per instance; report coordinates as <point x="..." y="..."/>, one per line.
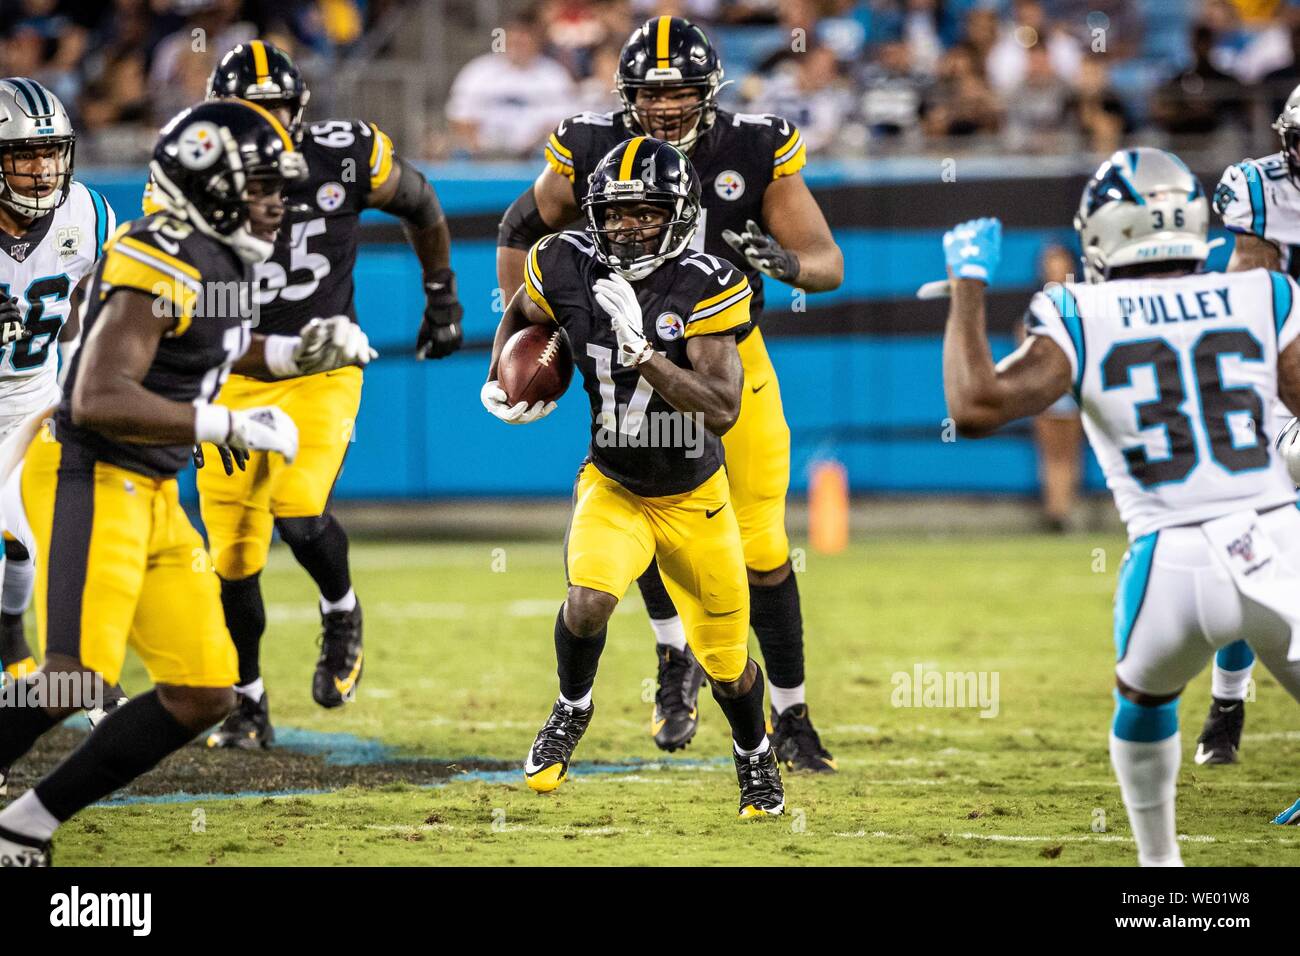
<point x="972" y="249"/>
<point x="1291" y="815"/>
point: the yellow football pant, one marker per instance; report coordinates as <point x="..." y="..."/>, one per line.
<point x="118" y="563"/>
<point x="614" y="533"/>
<point x="758" y="460"/>
<point x="239" y="510"/>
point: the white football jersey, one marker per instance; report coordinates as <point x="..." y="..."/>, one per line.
<point x="1257" y="197"/>
<point x="42" y="268"/>
<point x="1177" y="379"/>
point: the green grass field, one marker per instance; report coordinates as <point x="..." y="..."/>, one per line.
<point x="460" y="671"/>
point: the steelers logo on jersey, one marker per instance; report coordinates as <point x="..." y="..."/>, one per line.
<point x="200" y="145"/>
<point x="670" y="326"/>
<point x="329" y="197"/>
<point x="729" y="184"/>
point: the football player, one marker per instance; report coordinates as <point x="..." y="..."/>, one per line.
<point x="653" y="327"/>
<point x="1259" y="201"/>
<point x="758" y="214"/>
<point x="351" y="166"/>
<point x="168" y="317"/>
<point x="1178" y="373"/>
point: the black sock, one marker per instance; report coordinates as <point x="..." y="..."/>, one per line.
<point x="321" y="546"/>
<point x="246" y="620"/>
<point x="777" y="619"/>
<point x="657" y="602"/>
<point x="13" y="640"/>
<point x="133" y="739"/>
<point x="745" y="714"/>
<point x="576" y="658"/>
<point x="20" y="726"/>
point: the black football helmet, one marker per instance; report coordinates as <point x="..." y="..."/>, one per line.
<point x="670" y="53"/>
<point x="205" y="159"/>
<point x="643" y="170"/>
<point x="263" y="73"/>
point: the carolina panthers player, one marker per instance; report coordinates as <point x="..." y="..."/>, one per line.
<point x="758" y="214"/>
<point x="1178" y="373"/>
<point x="1259" y="200"/>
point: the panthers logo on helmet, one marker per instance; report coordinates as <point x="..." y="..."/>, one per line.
<point x="199" y="145"/>
<point x="729" y="184"/>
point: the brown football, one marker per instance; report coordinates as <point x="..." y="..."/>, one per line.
<point x="536" y="365"/>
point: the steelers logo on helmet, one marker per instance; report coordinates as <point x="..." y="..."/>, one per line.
<point x="330" y="196"/>
<point x="729" y="185"/>
<point x="199" y="145"/>
<point x="670" y="326"/>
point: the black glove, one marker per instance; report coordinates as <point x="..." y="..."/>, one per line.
<point x="11" y="320"/>
<point x="763" y="252"/>
<point x="440" y="332"/>
<point x="230" y="458"/>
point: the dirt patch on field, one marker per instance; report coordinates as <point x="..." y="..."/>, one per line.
<point x="196" y="769"/>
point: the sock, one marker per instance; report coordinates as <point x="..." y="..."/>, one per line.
<point x="783" y="698"/>
<point x="15" y="652"/>
<point x="582" y="703"/>
<point x="658" y="604"/>
<point x="1145" y="752"/>
<point x="19" y="574"/>
<point x="777" y="619"/>
<point x="346" y="603"/>
<point x="253" y="691"/>
<point x="246" y="620"/>
<point x="130" y="741"/>
<point x="576" y="660"/>
<point x="1232" y="668"/>
<point x="745" y="715"/>
<point x="28" y="816"/>
<point x="20" y="727"/>
<point x="761" y="748"/>
<point x="669" y="631"/>
<point x="320" y="545"/>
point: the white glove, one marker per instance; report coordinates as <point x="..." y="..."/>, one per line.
<point x="617" y="297"/>
<point x="1289" y="447"/>
<point x="322" y="346"/>
<point x="493" y="397"/>
<point x="266" y="428"/>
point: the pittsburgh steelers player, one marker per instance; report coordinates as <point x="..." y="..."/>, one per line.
<point x="168" y="318"/>
<point x="351" y="166"/>
<point x="758" y="214"/>
<point x="653" y="327"/>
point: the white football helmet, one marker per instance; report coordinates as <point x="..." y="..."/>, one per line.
<point x="1143" y="205"/>
<point x="32" y="117"/>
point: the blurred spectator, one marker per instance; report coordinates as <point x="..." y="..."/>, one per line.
<point x="115" y="90"/>
<point x="810" y="92"/>
<point x="921" y="34"/>
<point x="597" y="93"/>
<point x="1009" y="60"/>
<point x="1037" y="106"/>
<point x="184" y="59"/>
<point x="962" y="103"/>
<point x="573" y="32"/>
<point x="1200" y="99"/>
<point x="505" y="103"/>
<point x="1096" y="109"/>
<point x="893" y="91"/>
<point x="41" y="41"/>
<point x="1284" y="79"/>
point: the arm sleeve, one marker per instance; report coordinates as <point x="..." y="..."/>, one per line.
<point x="538" y="256"/>
<point x="381" y="157"/>
<point x="1239" y="199"/>
<point x="1286" y="309"/>
<point x="790" y="154"/>
<point x="130" y="262"/>
<point x="1054" y="313"/>
<point x="559" y="148"/>
<point x="725" y="311"/>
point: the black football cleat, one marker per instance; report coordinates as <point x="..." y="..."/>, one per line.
<point x="19" y="850"/>
<point x="796" y="742"/>
<point x="338" y="671"/>
<point x="761" y="792"/>
<point x="548" y="759"/>
<point x="247" y="728"/>
<point x="1221" y="736"/>
<point x="676" y="714"/>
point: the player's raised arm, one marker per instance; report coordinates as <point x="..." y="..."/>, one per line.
<point x="983" y="397"/>
<point x="544" y="207"/>
<point x="800" y="249"/>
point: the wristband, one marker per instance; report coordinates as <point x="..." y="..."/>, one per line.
<point x="211" y="424"/>
<point x="278" y="355"/>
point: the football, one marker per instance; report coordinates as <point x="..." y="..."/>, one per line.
<point x="536" y="365"/>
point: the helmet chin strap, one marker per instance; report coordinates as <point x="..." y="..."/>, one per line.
<point x="250" y="248"/>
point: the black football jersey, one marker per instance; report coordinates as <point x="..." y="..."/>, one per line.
<point x="735" y="161"/>
<point x="205" y="286"/>
<point x="309" y="275"/>
<point x="637" y="438"/>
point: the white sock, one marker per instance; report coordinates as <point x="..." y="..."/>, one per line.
<point x="783" y="698"/>
<point x="582" y="703"/>
<point x="28" y="816"/>
<point x="253" y="691"/>
<point x="1225" y="685"/>
<point x="16" y="593"/>
<point x="1148" y="779"/>
<point x="760" y="749"/>
<point x="669" y="631"/>
<point x="346" y="603"/>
